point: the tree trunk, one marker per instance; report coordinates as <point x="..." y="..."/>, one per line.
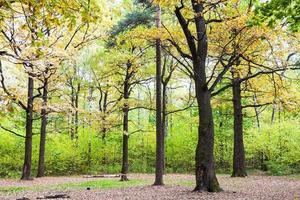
<point x="164" y="111"/>
<point x="124" y="170"/>
<point x="72" y="113"/>
<point x="76" y="112"/>
<point x="103" y="110"/>
<point x="90" y="98"/>
<point x="28" y="140"/>
<point x="239" y="169"/>
<point x="164" y="123"/>
<point x="273" y="114"/>
<point x="256" y="112"/>
<point x="41" y="164"/>
<point x="170" y="117"/>
<point x="205" y="167"/>
<point x="159" y="169"/>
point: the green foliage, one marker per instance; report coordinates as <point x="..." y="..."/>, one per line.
<point x="133" y="20"/>
<point x="279" y="143"/>
<point x="180" y="148"/>
<point x="280" y="146"/>
<point x="63" y="157"/>
<point x="10" y="148"/>
<point x="285" y="10"/>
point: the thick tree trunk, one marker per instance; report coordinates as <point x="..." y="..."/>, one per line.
<point x="239" y="168"/>
<point x="28" y="140"/>
<point x="159" y="169"/>
<point x="205" y="166"/>
<point x="41" y="164"/>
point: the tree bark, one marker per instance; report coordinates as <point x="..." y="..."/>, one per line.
<point x="73" y="106"/>
<point x="76" y="121"/>
<point x="26" y="172"/>
<point x="103" y="109"/>
<point x="164" y="122"/>
<point x="164" y="110"/>
<point x="41" y="164"/>
<point x="90" y="98"/>
<point x="205" y="166"/>
<point x="239" y="168"/>
<point x="75" y="90"/>
<point x="256" y="111"/>
<point x="124" y="170"/>
<point x="159" y="168"/>
<point x="273" y="114"/>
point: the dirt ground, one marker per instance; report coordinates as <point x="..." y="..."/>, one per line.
<point x="179" y="186"/>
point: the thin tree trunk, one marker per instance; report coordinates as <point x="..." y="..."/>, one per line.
<point x="164" y="110"/>
<point x="191" y="123"/>
<point x="73" y="113"/>
<point x="124" y="170"/>
<point x="170" y="122"/>
<point x="256" y="111"/>
<point x="164" y="123"/>
<point x="126" y="92"/>
<point x="41" y="164"/>
<point x="159" y="169"/>
<point x="239" y="168"/>
<point x="89" y="130"/>
<point x="103" y="109"/>
<point x="28" y="140"/>
<point x="76" y="112"/>
<point x="273" y="114"/>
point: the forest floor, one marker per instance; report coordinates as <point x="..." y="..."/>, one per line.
<point x="178" y="186"/>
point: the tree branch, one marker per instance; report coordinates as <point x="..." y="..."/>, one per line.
<point x="10" y="131"/>
<point x="6" y="90"/>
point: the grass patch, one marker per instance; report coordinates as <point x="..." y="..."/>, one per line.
<point x="296" y="176"/>
<point x="187" y="183"/>
<point x="12" y="189"/>
<point x="96" y="184"/>
<point x="102" y="184"/>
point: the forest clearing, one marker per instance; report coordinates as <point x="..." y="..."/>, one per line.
<point x="149" y="99"/>
<point x="178" y="186"/>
